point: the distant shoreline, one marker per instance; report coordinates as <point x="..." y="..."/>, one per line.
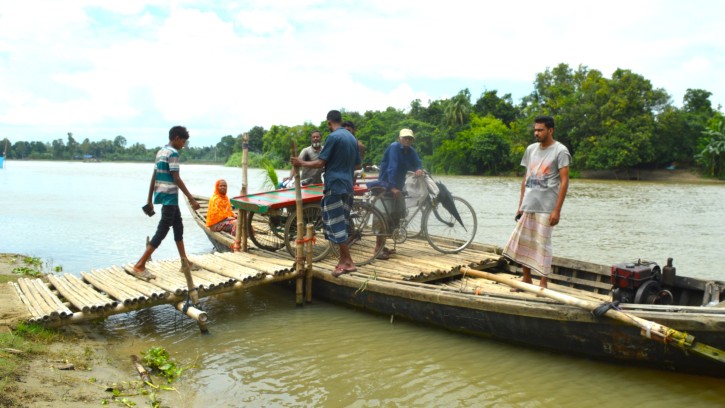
<point x="662" y="175"/>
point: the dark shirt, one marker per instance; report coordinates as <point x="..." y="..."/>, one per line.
<point x="341" y="156"/>
<point x="397" y="160"/>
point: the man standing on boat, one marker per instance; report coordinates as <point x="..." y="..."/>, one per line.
<point x="399" y="158"/>
<point x="340" y="157"/>
<point x="308" y="175"/>
<point x="543" y="191"/>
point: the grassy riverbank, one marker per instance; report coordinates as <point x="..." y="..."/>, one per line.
<point x="67" y="367"/>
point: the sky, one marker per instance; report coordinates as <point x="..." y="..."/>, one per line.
<point x="103" y="68"/>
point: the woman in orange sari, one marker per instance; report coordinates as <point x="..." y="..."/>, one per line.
<point x="220" y="216"/>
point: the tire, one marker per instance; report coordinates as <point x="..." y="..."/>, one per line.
<point x="368" y="223"/>
<point x="267" y="231"/>
<point x="312" y="213"/>
<point x="444" y="232"/>
<point x="414" y="225"/>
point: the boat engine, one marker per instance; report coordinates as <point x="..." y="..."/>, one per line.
<point x="639" y="282"/>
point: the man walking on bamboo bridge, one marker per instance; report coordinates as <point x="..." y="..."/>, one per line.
<point x="164" y="189"/>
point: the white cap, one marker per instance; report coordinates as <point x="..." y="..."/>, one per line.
<point x="406" y="133"/>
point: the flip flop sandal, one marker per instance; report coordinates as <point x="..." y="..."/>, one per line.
<point x="145" y="275"/>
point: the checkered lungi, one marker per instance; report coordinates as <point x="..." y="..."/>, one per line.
<point x="336" y="216"/>
<point x="530" y="243"/>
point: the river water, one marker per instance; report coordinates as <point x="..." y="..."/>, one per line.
<point x="265" y="352"/>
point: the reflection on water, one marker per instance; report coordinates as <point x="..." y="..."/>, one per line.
<point x="263" y="351"/>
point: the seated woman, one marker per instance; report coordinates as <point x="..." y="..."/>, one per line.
<point x="219" y="216"/>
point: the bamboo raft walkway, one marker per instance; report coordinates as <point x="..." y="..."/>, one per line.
<point x="70" y="299"/>
<point x="67" y="298"/>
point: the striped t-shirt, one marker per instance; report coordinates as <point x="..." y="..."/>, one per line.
<point x="165" y="190"/>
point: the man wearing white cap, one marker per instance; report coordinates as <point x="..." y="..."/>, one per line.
<point x="399" y="158"/>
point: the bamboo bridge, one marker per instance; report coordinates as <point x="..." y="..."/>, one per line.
<point x="67" y="298"/>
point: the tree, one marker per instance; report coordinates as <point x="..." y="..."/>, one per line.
<point x="712" y="155"/>
<point x="458" y="108"/>
<point x="501" y="108"/>
<point x="71" y="147"/>
<point x="256" y="143"/>
<point x="119" y="142"/>
<point x="483" y="148"/>
<point x="225" y="147"/>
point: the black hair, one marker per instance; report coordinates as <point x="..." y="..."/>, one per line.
<point x="315" y="131"/>
<point x="334" y="116"/>
<point x="348" y="123"/>
<point x="547" y="121"/>
<point x="178" y="131"/>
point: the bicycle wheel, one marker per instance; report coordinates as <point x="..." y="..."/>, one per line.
<point x="368" y="224"/>
<point x="444" y="232"/>
<point x="413" y="222"/>
<point x="311" y="214"/>
<point x="267" y="230"/>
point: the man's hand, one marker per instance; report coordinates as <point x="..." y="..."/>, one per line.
<point x="418" y="172"/>
<point x="194" y="204"/>
<point x="295" y="161"/>
<point x="554" y="217"/>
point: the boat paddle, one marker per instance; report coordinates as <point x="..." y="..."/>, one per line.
<point x="651" y="330"/>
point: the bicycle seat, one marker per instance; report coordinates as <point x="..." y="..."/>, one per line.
<point x="378" y="190"/>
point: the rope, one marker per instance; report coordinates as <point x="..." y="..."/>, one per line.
<point x="306" y="240"/>
<point x="604" y="307"/>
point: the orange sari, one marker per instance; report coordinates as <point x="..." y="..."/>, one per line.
<point x="220" y="208"/>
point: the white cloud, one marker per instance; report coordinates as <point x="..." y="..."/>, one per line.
<point x="142" y="65"/>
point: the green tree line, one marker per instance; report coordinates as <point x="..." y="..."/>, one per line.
<point x="616" y="123"/>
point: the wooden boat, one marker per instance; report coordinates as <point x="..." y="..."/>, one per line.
<point x="421" y="285"/>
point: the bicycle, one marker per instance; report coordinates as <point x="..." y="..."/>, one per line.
<point x="435" y="219"/>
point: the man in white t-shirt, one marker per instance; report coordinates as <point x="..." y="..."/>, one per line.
<point x="543" y="191"/>
<point x="308" y="175"/>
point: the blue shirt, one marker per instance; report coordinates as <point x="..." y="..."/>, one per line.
<point x="397" y="160"/>
<point x="165" y="190"/>
<point x="341" y="156"/>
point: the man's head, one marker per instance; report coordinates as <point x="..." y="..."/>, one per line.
<point x="334" y="118"/>
<point x="178" y="135"/>
<point x="316" y="139"/>
<point x="349" y="126"/>
<point x="406" y="137"/>
<point x="544" y="129"/>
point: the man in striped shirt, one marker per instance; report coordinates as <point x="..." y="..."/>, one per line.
<point x="164" y="189"/>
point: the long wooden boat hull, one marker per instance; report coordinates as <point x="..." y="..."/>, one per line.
<point x="463" y="304"/>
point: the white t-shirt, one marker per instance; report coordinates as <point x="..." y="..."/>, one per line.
<point x="542" y="176"/>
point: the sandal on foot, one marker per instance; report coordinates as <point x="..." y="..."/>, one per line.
<point x="145" y="274"/>
<point x="340" y="270"/>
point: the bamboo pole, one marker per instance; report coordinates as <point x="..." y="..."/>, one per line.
<point x="84" y="289"/>
<point x="51" y="299"/>
<point x="108" y="288"/>
<point x="193" y="295"/>
<point x="308" y="270"/>
<point x="240" y="241"/>
<point x="244" y="214"/>
<point x="34" y="312"/>
<point x="121" y="277"/>
<point x="70" y="294"/>
<point x="33" y="296"/>
<point x="299" y="254"/>
<point x="651" y="330"/>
